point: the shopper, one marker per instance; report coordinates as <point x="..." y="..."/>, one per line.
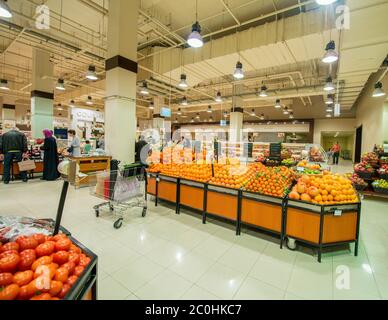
<point x="87" y="147"/>
<point x="50" y="157"/>
<point x="101" y="142"/>
<point x="336" y="149"/>
<point x="142" y="149"/>
<point x="75" y="145"/>
<point x="13" y="145"/>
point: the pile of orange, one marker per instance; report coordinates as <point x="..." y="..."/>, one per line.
<point x="196" y="172"/>
<point x="155" y="168"/>
<point x="272" y="181"/>
<point x="170" y="169"/>
<point x="232" y="176"/>
<point x="324" y="190"/>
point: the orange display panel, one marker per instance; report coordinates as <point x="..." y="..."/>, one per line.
<point x="151" y="186"/>
<point x="192" y="197"/>
<point x="167" y="190"/>
<point x="305" y="225"/>
<point x="261" y="214"/>
<point x="220" y="204"/>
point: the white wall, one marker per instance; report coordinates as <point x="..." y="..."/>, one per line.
<point x="332" y="125"/>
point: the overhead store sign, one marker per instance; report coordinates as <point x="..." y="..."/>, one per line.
<point x="87" y="115"/>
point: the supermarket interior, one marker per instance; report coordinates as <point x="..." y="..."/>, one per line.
<point x="193" y="150"/>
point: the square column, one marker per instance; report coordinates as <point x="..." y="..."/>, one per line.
<point x="9" y="117"/>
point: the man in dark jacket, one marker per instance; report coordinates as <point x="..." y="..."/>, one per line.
<point x="13" y="145"/>
<point x="142" y="149"/>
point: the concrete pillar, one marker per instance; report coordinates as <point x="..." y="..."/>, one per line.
<point x="121" y="74"/>
<point x="42" y="94"/>
<point x="8" y="115"/>
<point x="236" y="115"/>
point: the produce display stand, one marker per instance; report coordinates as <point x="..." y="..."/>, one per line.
<point x="321" y="226"/>
<point x="192" y="195"/>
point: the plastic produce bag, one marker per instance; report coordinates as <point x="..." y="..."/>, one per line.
<point x="125" y="189"/>
<point x="13" y="227"/>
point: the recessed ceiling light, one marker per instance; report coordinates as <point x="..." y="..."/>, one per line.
<point x="238" y="72"/>
<point x="4" y="84"/>
<point x="378" y="92"/>
<point x="5" y="11"/>
<point x="195" y="39"/>
<point x="331" y="55"/>
<point x="60" y="85"/>
<point x="183" y="83"/>
<point x="91" y="74"/>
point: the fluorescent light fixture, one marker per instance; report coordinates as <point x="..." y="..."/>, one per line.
<point x="5" y="11"/>
<point x="184" y="102"/>
<point x="89" y="101"/>
<point x="378" y="92"/>
<point x="263" y="92"/>
<point x="152" y="106"/>
<point x="209" y="109"/>
<point x="195" y="39"/>
<point x="91" y="74"/>
<point x="218" y="97"/>
<point x="4" y="84"/>
<point x="238" y="73"/>
<point x="144" y="89"/>
<point x="331" y="55"/>
<point x="183" y="83"/>
<point x="329" y="86"/>
<point x="277" y="104"/>
<point x="60" y="85"/>
<point x="325" y="2"/>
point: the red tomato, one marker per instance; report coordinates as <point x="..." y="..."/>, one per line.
<point x="10" y="246"/>
<point x="63" y="245"/>
<point x="23" y="278"/>
<point x="55" y="298"/>
<point x="84" y="261"/>
<point x="43" y="296"/>
<point x="64" y="291"/>
<point x="45" y="249"/>
<point x="74" y="257"/>
<point x="61" y="275"/>
<point x="27" y="258"/>
<point x="60" y="236"/>
<point x="37" y="286"/>
<point x="74" y="248"/>
<point x="48" y="238"/>
<point x="41" y="261"/>
<point x="39" y="237"/>
<point x="61" y="257"/>
<point x="6" y="279"/>
<point x="78" y="270"/>
<point x="56" y="288"/>
<point x="26" y="243"/>
<point x="26" y="292"/>
<point x="6" y="253"/>
<point x="52" y="268"/>
<point x="9" y="263"/>
<point x="72" y="280"/>
<point x="70" y="266"/>
<point x="10" y="292"/>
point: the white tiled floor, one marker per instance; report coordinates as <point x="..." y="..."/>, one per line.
<point x="169" y="256"/>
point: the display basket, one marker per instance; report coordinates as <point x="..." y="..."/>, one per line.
<point x="360" y="187"/>
<point x="383" y="176"/>
<point x="380" y="190"/>
<point x="383" y="161"/>
<point x="365" y="175"/>
<point x="122" y="189"/>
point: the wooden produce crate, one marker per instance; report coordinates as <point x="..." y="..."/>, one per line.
<point x="323" y="226"/>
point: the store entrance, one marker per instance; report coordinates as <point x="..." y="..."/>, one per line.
<point x="345" y="140"/>
<point x="357" y="154"/>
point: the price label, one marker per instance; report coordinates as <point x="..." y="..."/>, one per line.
<point x="148" y="176"/>
<point x="338" y="213"/>
<point x="300" y="169"/>
<point x="157" y="179"/>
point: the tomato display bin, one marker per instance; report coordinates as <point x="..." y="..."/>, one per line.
<point x="324" y="226"/>
<point x="224" y="203"/>
<point x="191" y="195"/>
<point x="263" y="212"/>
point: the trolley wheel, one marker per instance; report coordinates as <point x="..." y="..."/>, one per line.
<point x="118" y="224"/>
<point x="144" y="213"/>
<point x="97" y="213"/>
<point x="291" y="244"/>
<point x="111" y="208"/>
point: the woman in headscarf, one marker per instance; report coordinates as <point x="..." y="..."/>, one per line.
<point x="50" y="159"/>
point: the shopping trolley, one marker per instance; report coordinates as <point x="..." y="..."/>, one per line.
<point x="123" y="189"/>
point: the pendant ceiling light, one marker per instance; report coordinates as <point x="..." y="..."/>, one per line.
<point x="225" y="114"/>
<point x="184" y="102"/>
<point x="378" y="92"/>
<point x="179" y="112"/>
<point x="5" y="11"/>
<point x="218" y="97"/>
<point x="211" y="119"/>
<point x="263" y="92"/>
<point x="197" y="116"/>
<point x="195" y="39"/>
<point x="144" y="89"/>
<point x="262" y="116"/>
<point x="89" y="101"/>
<point x="253" y="113"/>
<point x="59" y="107"/>
<point x="328" y="115"/>
<point x="72" y="104"/>
<point x="183" y="83"/>
<point x="60" y="85"/>
<point x="329" y="109"/>
<point x="209" y="109"/>
<point x="4" y="84"/>
<point x="152" y="106"/>
<point x="286" y="111"/>
<point x="192" y="120"/>
<point x="325" y="2"/>
<point x="239" y="72"/>
<point x="330" y="99"/>
<point x="331" y="55"/>
<point x="277" y="104"/>
<point x="329" y="86"/>
<point x="91" y="74"/>
<point x="291" y="115"/>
